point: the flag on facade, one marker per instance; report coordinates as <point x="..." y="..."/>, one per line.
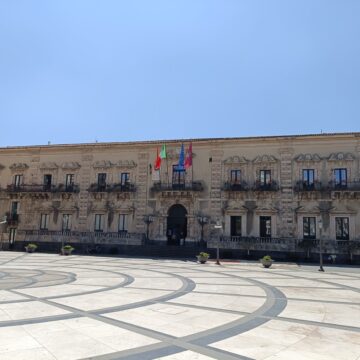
<point x="181" y="158"/>
<point x="188" y="160"/>
<point x="157" y="164"/>
<point x="163" y="152"/>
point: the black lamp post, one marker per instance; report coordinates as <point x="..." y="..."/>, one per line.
<point x="320" y="246"/>
<point x="148" y="219"/>
<point x="203" y="220"/>
<point x="219" y="227"/>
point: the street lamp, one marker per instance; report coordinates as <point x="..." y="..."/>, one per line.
<point x="203" y="220"/>
<point x="148" y="219"/>
<point x="320" y="245"/>
<point x="220" y="228"/>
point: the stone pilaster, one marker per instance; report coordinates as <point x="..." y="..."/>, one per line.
<point x="142" y="185"/>
<point x="286" y="215"/>
<point x="84" y="195"/>
<point x="216" y="184"/>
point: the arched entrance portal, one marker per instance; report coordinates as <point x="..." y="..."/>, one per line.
<point x="176" y="224"/>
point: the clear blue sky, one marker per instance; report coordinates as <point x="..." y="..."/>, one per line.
<point x="116" y="70"/>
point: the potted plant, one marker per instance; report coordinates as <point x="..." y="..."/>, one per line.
<point x="203" y="257"/>
<point x="67" y="250"/>
<point x="30" y="247"/>
<point x="266" y="261"/>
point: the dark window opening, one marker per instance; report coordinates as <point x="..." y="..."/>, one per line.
<point x="101" y="181"/>
<point x="308" y="178"/>
<point x="265" y="226"/>
<point x="235" y="225"/>
<point x="340" y="178"/>
<point x="47" y="181"/>
<point x="309" y="228"/>
<point x="342" y="228"/>
<point x="178" y="177"/>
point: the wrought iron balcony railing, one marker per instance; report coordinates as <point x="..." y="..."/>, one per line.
<point x="43" y="188"/>
<point x="305" y="186"/>
<point x="270" y="186"/>
<point x="186" y="186"/>
<point x="121" y="237"/>
<point x="235" y="186"/>
<point x="344" y="186"/>
<point x="12" y="218"/>
<point x="127" y="187"/>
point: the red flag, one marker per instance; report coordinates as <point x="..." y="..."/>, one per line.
<point x="157" y="161"/>
<point x="188" y="160"/>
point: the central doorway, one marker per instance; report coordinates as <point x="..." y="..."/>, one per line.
<point x="176" y="225"/>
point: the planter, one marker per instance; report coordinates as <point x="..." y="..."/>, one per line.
<point x="30" y="248"/>
<point x="67" y="250"/>
<point x="202" y="259"/>
<point x="266" y="263"/>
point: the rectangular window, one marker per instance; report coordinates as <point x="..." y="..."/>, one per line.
<point x="69" y="181"/>
<point x="47" y="181"/>
<point x="12" y="235"/>
<point x="308" y="178"/>
<point x="99" y="221"/>
<point x="309" y="228"/>
<point x="18" y="180"/>
<point x="101" y="181"/>
<point x="340" y="178"/>
<point x="66" y="222"/>
<point x="265" y="226"/>
<point x="235" y="177"/>
<point x="235" y="225"/>
<point x="342" y="228"/>
<point x="124" y="178"/>
<point x="122" y="223"/>
<point x="265" y="177"/>
<point x="44" y="222"/>
<point x="178" y="178"/>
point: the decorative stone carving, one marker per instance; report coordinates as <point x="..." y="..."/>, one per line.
<point x="236" y="160"/>
<point x="48" y="166"/>
<point x="102" y="164"/>
<point x="265" y="159"/>
<point x="307" y="157"/>
<point x="71" y="165"/>
<point x="173" y="154"/>
<point x="126" y="164"/>
<point x="2" y="166"/>
<point x="19" y="166"/>
<point x="341" y="157"/>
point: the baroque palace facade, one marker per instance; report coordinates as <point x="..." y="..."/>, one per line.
<point x="279" y="194"/>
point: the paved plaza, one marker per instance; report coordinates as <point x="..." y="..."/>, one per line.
<point x="81" y="307"/>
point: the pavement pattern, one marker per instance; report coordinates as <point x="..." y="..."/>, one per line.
<point x="82" y="307"/>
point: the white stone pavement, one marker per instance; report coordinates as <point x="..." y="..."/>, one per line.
<point x="81" y="307"/>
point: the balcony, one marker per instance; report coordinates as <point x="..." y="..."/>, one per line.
<point x="344" y="186"/>
<point x="12" y="219"/>
<point x="127" y="187"/>
<point x="42" y="188"/>
<point x="271" y="186"/>
<point x="235" y="186"/>
<point x="195" y="186"/>
<point x="301" y="186"/>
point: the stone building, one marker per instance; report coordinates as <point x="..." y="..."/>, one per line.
<point x="278" y="194"/>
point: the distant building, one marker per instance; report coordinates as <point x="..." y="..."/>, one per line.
<point x="276" y="194"/>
